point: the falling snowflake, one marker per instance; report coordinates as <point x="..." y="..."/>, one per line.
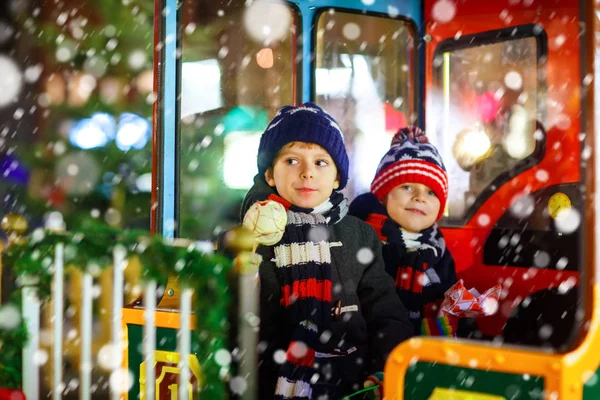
<point x="267" y="22"/>
<point x="513" y="80"/>
<point x="365" y="256"/>
<point x="121" y="380"/>
<point x="6" y="32"/>
<point x="545" y="331"/>
<point x="109" y="357"/>
<point x="40" y="357"/>
<point x="10" y="317"/>
<point x="32" y="73"/>
<point x="541" y="259"/>
<point x="560" y="40"/>
<point x="96" y="66"/>
<point x="325" y="336"/>
<point x="298" y="349"/>
<point x="523" y="206"/>
<point x="393" y="12"/>
<point x="562" y="263"/>
<point x="10" y="81"/>
<point x="542" y="175"/>
<point x="112" y="217"/>
<point x="279" y="356"/>
<point x="586" y="152"/>
<point x="483" y="220"/>
<point x="223" y="357"/>
<point x="590" y="378"/>
<point x="566" y="285"/>
<point x="351" y="31"/>
<point x="567" y="220"/>
<point x="136" y="60"/>
<point x="443" y="11"/>
<point x="65" y="52"/>
<point x="238" y="385"/>
<point x="318" y="233"/>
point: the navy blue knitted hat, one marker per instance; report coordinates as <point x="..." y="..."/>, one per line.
<point x="306" y="123"/>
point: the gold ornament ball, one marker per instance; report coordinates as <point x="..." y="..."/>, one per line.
<point x="14" y="224"/>
<point x="239" y="239"/>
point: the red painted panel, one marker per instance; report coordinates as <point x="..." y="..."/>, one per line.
<point x="560" y="21"/>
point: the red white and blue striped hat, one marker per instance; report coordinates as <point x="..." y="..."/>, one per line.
<point x="411" y="158"/>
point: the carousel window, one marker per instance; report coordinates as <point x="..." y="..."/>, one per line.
<point x="365" y="76"/>
<point x="485" y="113"/>
<point x="238" y="67"/>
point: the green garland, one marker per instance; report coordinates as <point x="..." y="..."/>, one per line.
<point x="90" y="249"/>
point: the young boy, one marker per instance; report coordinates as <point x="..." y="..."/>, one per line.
<point x="407" y="198"/>
<point x="329" y="313"/>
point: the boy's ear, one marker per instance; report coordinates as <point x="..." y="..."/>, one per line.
<point x="269" y="177"/>
<point x="336" y="183"/>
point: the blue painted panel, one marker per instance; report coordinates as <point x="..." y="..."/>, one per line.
<point x="169" y="120"/>
<point x="406" y="8"/>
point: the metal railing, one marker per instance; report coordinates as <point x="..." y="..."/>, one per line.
<point x="247" y="335"/>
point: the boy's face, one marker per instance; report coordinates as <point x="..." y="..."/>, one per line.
<point x="413" y="206"/>
<point x="304" y="174"/>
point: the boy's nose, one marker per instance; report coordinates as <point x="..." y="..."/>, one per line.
<point x="308" y="173"/>
<point x="419" y="196"/>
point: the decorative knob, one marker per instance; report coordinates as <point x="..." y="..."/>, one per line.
<point x="14" y="225"/>
<point x="239" y="239"/>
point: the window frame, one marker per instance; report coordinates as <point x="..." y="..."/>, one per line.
<point x="494" y="37"/>
<point x="415" y="94"/>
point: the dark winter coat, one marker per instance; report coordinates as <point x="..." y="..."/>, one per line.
<point x="367" y="335"/>
<point x="434" y="262"/>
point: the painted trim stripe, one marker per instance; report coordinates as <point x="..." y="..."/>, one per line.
<point x="409" y="279"/>
<point x="305" y="289"/>
<point x="388" y="178"/>
<point x="432" y="168"/>
<point x="307" y="359"/>
<point x="293" y="389"/>
<point x="288" y="255"/>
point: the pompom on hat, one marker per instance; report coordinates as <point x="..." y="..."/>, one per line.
<point x="411" y="158"/>
<point x="306" y="123"/>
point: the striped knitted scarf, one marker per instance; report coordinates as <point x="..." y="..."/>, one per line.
<point x="303" y="261"/>
<point x="412" y="268"/>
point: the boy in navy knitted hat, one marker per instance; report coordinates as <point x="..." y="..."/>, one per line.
<point x="329" y="314"/>
<point x="407" y="198"/>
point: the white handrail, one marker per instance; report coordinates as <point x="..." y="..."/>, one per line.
<point x="150" y="338"/>
<point x="31" y="316"/>
<point x="119" y="260"/>
<point x="85" y="369"/>
<point x="57" y="321"/>
<point x="184" y="344"/>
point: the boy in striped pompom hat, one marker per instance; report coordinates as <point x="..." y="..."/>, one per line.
<point x="407" y="198"/>
<point x="329" y="314"/>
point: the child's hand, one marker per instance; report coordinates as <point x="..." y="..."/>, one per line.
<point x="373" y="380"/>
<point x="411" y="240"/>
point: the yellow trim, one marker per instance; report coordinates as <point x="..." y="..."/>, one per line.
<point x="1" y="251"/>
<point x="164" y="319"/>
<point x="170" y="357"/>
<point x="451" y="394"/>
<point x="563" y="374"/>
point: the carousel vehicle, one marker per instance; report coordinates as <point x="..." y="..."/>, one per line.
<point x="505" y="90"/>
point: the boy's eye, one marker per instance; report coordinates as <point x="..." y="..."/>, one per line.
<point x="322" y="163"/>
<point x="432" y="193"/>
<point x="406" y="187"/>
<point x="291" y="161"/>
